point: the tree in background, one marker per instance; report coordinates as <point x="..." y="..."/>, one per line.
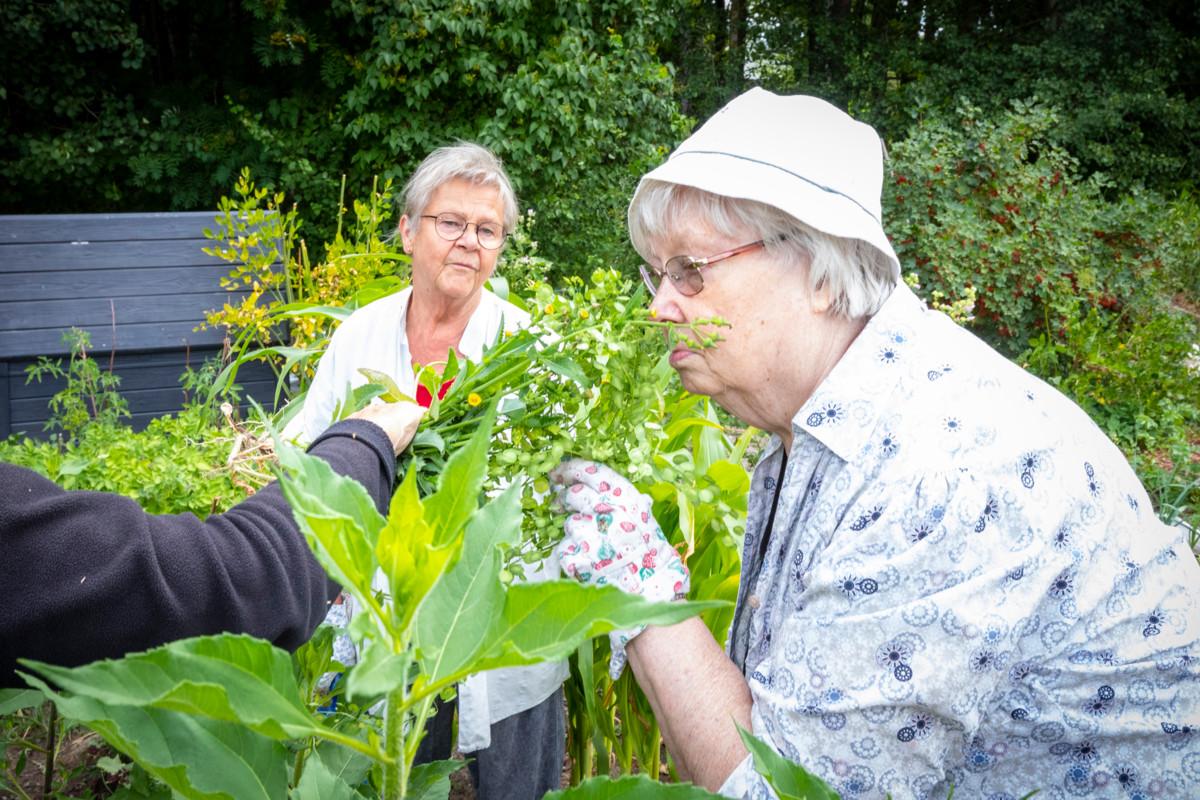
<point x="115" y="105"/>
<point x="1124" y="75"/>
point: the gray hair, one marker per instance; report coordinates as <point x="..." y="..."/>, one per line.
<point x="857" y="276"/>
<point x="464" y="160"/>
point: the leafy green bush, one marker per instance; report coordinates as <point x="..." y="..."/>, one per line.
<point x="1090" y="293"/>
<point x="995" y="205"/>
<point x="90" y="394"/>
<point x="1139" y="379"/>
<point x="177" y="464"/>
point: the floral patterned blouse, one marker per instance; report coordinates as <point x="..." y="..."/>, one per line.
<point x="964" y="586"/>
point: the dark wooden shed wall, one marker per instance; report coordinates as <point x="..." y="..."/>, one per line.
<point x="138" y="283"/>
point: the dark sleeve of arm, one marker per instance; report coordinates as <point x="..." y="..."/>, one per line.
<point x="87" y="575"/>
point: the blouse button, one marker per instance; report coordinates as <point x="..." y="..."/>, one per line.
<point x="753" y="601"/>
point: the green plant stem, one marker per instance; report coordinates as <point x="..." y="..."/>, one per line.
<point x="51" y="730"/>
<point x="25" y="744"/>
<point x="298" y="765"/>
<point x="356" y="745"/>
<point x="15" y="785"/>
<point x="427" y="691"/>
<point x="654" y="767"/>
<point x="417" y="732"/>
<point x="625" y="709"/>
<point x="395" y="772"/>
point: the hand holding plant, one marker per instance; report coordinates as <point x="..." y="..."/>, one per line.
<point x="398" y="420"/>
<point x="613" y="538"/>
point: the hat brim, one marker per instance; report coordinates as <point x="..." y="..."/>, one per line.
<point x="820" y="207"/>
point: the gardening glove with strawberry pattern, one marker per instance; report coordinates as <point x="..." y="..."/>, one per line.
<point x="613" y="538"/>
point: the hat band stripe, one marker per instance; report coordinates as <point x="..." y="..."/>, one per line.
<point x="809" y="181"/>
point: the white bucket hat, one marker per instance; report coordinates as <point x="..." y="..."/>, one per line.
<point x="799" y="154"/>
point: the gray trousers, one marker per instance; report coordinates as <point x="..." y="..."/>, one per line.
<point x="524" y="760"/>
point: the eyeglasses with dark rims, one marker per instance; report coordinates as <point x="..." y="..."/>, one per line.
<point x="451" y="227"/>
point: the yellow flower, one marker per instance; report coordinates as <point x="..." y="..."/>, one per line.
<point x="653" y="313"/>
<point x="550" y="308"/>
<point x="584" y="314"/>
<point x="474" y="399"/>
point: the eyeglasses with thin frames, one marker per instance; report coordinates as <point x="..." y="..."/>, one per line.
<point x="451" y="227"/>
<point x="684" y="271"/>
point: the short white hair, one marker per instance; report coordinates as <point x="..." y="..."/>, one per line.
<point x="858" y="277"/>
<point x="466" y="161"/>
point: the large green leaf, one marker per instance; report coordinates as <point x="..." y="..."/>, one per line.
<point x="789" y="780"/>
<point x="452" y="621"/>
<point x="392" y="392"/>
<point x="407" y="553"/>
<point x="337" y="516"/>
<point x="547" y="621"/>
<point x="469" y="622"/>
<point x="431" y="781"/>
<point x="320" y="782"/>
<point x="230" y="678"/>
<point x="196" y="757"/>
<point x="16" y="699"/>
<point x="631" y="787"/>
<point x="378" y="672"/>
<point x="457" y="495"/>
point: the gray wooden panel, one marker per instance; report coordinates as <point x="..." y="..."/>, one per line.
<point x="27" y="286"/>
<point x="163" y="399"/>
<point x="5" y="412"/>
<point x="25" y="228"/>
<point x="148" y="271"/>
<point x="104" y="255"/>
<point x="103" y="310"/>
<point x="137" y="371"/>
<point x="159" y="399"/>
<point x="34" y="429"/>
<point x="133" y="336"/>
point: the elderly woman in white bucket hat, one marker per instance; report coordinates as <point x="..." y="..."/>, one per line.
<point x="950" y="577"/>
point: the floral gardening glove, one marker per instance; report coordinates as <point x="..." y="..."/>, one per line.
<point x="613" y="538"/>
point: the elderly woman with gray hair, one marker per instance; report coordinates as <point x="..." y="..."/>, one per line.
<point x="459" y="207"/>
<point x="950" y="577"/>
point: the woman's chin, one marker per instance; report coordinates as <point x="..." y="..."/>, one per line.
<point x="693" y="381"/>
<point x="461" y="285"/>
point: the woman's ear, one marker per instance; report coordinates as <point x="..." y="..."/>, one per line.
<point x="820" y="299"/>
<point x="406" y="234"/>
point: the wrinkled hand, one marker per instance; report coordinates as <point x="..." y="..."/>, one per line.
<point x="613" y="538"/>
<point x="398" y="420"/>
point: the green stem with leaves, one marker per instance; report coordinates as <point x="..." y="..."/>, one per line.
<point x="395" y="773"/>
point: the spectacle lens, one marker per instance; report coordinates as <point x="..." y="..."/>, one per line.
<point x="490" y="235"/>
<point x="682" y="271"/>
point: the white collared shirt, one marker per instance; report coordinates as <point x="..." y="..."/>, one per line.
<point x="374" y="337"/>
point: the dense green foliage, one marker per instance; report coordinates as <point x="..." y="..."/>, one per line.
<point x="180" y="462"/>
<point x="176" y="464"/>
<point x="1124" y="74"/>
<point x="158" y="105"/>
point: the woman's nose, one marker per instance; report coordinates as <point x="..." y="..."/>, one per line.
<point x="469" y="238"/>
<point x="664" y="305"/>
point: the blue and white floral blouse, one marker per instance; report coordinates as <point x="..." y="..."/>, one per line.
<point x="966" y="585"/>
